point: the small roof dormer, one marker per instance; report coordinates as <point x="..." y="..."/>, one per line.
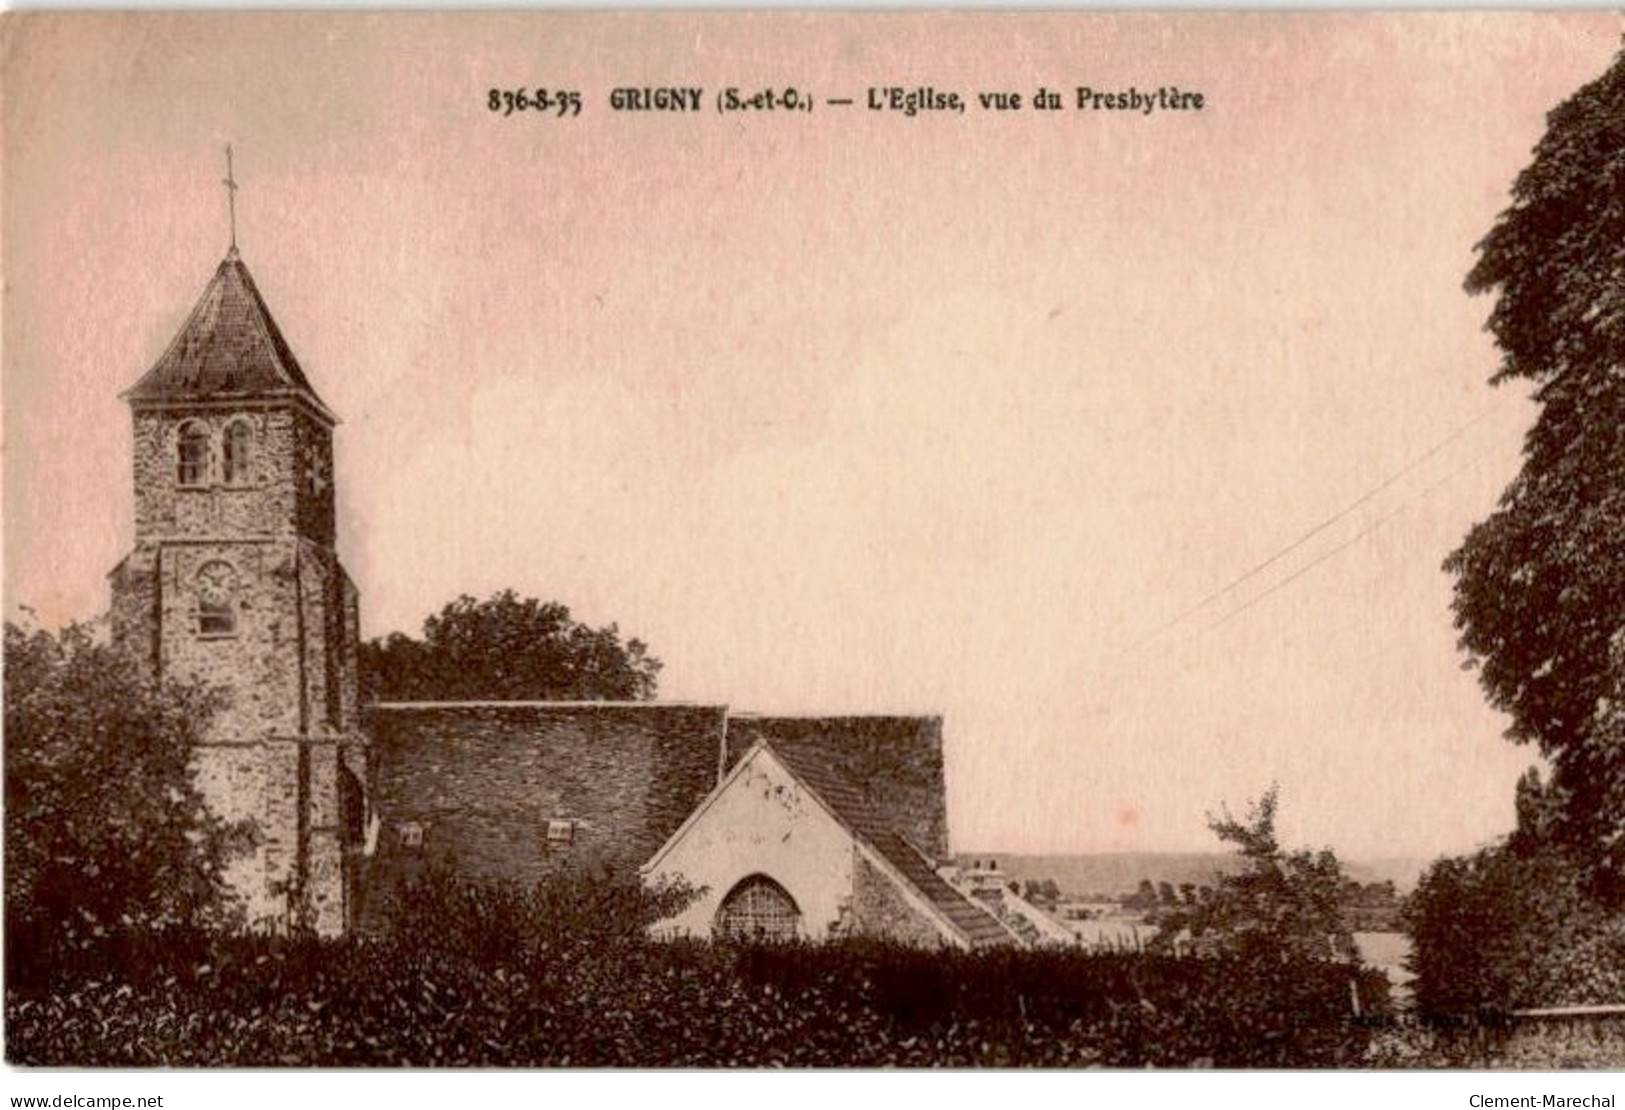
<point x="229" y="349"/>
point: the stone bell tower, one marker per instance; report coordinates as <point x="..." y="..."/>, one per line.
<point x="234" y="579"/>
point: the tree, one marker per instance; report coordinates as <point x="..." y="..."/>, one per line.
<point x="507" y="649"/>
<point x="1279" y="907"/>
<point x="1041" y="891"/>
<point x="1540" y="583"/>
<point x="104" y="826"/>
<point x="1512" y="925"/>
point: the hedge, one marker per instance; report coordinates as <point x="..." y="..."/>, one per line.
<point x="508" y="981"/>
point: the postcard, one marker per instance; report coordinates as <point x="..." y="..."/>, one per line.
<point x="740" y="539"/>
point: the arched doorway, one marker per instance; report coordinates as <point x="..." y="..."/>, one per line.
<point x="758" y="909"/>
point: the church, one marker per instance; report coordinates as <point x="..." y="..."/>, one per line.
<point x="811" y="827"/>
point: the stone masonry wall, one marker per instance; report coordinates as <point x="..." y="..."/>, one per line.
<point x="480" y="782"/>
<point x="263" y="504"/>
<point x="134" y="610"/>
<point x="287" y="669"/>
<point x="313" y="478"/>
<point x="880" y="910"/>
<point x="349" y="663"/>
<point x="258" y="663"/>
<point x="896" y="761"/>
<point x="324" y="846"/>
<point x="328" y="662"/>
<point x="235" y="782"/>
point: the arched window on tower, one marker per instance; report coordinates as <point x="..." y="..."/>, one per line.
<point x="192" y="454"/>
<point x="216" y="599"/>
<point x="236" y="453"/>
<point x="758" y="909"/>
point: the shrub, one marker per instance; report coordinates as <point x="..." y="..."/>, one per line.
<point x="83" y="858"/>
<point x="1516" y="925"/>
<point x="503" y="921"/>
<point x="1559" y="1044"/>
<point x="564" y="975"/>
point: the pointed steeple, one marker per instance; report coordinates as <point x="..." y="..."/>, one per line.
<point x="229" y="349"/>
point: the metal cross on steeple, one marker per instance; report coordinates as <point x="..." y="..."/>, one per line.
<point x="230" y="182"/>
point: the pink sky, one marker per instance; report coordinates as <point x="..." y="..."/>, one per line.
<point x="849" y="411"/>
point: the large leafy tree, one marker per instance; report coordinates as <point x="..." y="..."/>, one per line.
<point x="1540" y="583"/>
<point x="508" y="648"/>
<point x="104" y="826"/>
<point x="1277" y="906"/>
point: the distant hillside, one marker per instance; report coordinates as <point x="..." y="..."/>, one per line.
<point x="1121" y="872"/>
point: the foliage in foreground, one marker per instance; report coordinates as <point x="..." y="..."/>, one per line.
<point x="1556" y="1044"/>
<point x="1516" y="925"/>
<point x="465" y="989"/>
<point x="146" y="852"/>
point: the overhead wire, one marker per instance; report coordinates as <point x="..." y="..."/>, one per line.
<point x="1320" y="527"/>
<point x="1345" y="545"/>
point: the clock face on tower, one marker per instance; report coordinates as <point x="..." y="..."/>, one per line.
<point x="216" y="595"/>
<point x="216" y="583"/>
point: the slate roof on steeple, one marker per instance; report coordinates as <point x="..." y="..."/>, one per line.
<point x="229" y="348"/>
